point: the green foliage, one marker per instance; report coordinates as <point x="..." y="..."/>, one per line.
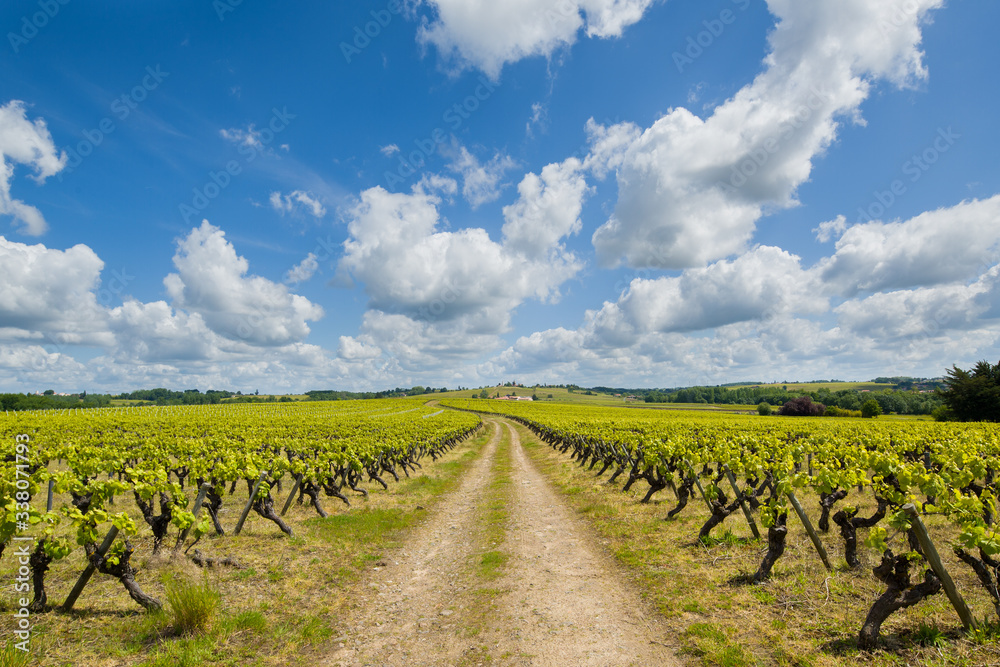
<point x="943" y="414"/>
<point x="871" y="409"/>
<point x="764" y="408"/>
<point x="192" y="605"/>
<point x="834" y="411"/>
<point x="984" y="631"/>
<point x="929" y="635"/>
<point x="974" y="395"/>
<point x="903" y="401"/>
<point x="11" y="656"/>
<point x="16" y="402"/>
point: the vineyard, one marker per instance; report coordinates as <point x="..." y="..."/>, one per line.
<point x="920" y="497"/>
<point x="80" y="488"/>
<point x="881" y="534"/>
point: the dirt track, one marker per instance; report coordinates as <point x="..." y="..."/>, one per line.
<point x="559" y="601"/>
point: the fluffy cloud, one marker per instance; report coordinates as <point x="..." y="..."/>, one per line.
<point x="480" y="182"/>
<point x="487" y="34"/>
<point x="908" y="313"/>
<point x="410" y="266"/>
<point x="830" y="229"/>
<point x="155" y="333"/>
<point x="52" y="303"/>
<point x="936" y="299"/>
<point x="437" y="294"/>
<point x="50" y="295"/>
<point x="29" y="143"/>
<point x="608" y="146"/>
<point x="547" y="209"/>
<point x="762" y="284"/>
<point x="418" y="346"/>
<point x="302" y="271"/>
<point x="941" y="246"/>
<point x="211" y="281"/>
<point x="295" y="200"/>
<point x="691" y="190"/>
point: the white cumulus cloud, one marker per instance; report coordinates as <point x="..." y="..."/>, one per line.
<point x="51" y="294"/>
<point x="691" y="190"/>
<point x="480" y="182"/>
<point x="26" y="142"/>
<point x="487" y="34"/>
<point x="212" y="280"/>
<point x="945" y="245"/>
<point x="303" y="271"/>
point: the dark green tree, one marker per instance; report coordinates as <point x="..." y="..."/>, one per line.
<point x="871" y="409"/>
<point x="973" y="395"/>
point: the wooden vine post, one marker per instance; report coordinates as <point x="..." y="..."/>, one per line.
<point x="931" y="554"/>
<point x="202" y="492"/>
<point x="90" y="569"/>
<point x="246" y="510"/>
<point x="295" y="487"/>
<point x="701" y="489"/>
<point x="809" y="529"/>
<point x="743" y="502"/>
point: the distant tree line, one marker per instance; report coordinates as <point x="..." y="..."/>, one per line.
<point x="337" y="395"/>
<point x="899" y="402"/>
<point x="49" y="401"/>
<point x="161" y="396"/>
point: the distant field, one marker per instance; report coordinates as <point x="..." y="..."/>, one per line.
<point x="816" y="386"/>
<point x="579" y="397"/>
<point x="559" y="395"/>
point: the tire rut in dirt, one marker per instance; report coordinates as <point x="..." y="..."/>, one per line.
<point x="568" y="602"/>
<point x="411" y="611"/>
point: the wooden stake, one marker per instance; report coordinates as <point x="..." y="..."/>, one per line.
<point x="202" y="492"/>
<point x="90" y="569"/>
<point x="246" y="510"/>
<point x="743" y="502"/>
<point x="295" y="487"/>
<point x="809" y="529"/>
<point x="700" y="487"/>
<point x="931" y="554"/>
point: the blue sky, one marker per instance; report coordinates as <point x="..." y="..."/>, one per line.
<point x="460" y="192"/>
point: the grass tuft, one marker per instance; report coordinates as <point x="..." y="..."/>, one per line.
<point x="11" y="656"/>
<point x="193" y="605"/>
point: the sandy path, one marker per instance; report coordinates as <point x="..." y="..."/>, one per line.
<point x="564" y="602"/>
<point x="568" y="604"/>
<point x="402" y="622"/>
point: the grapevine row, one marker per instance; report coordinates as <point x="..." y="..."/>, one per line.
<point x="161" y="457"/>
<point x="761" y="466"/>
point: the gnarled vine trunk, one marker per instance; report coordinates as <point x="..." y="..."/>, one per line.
<point x="776" y="535"/>
<point x="900" y="593"/>
<point x="123" y="572"/>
